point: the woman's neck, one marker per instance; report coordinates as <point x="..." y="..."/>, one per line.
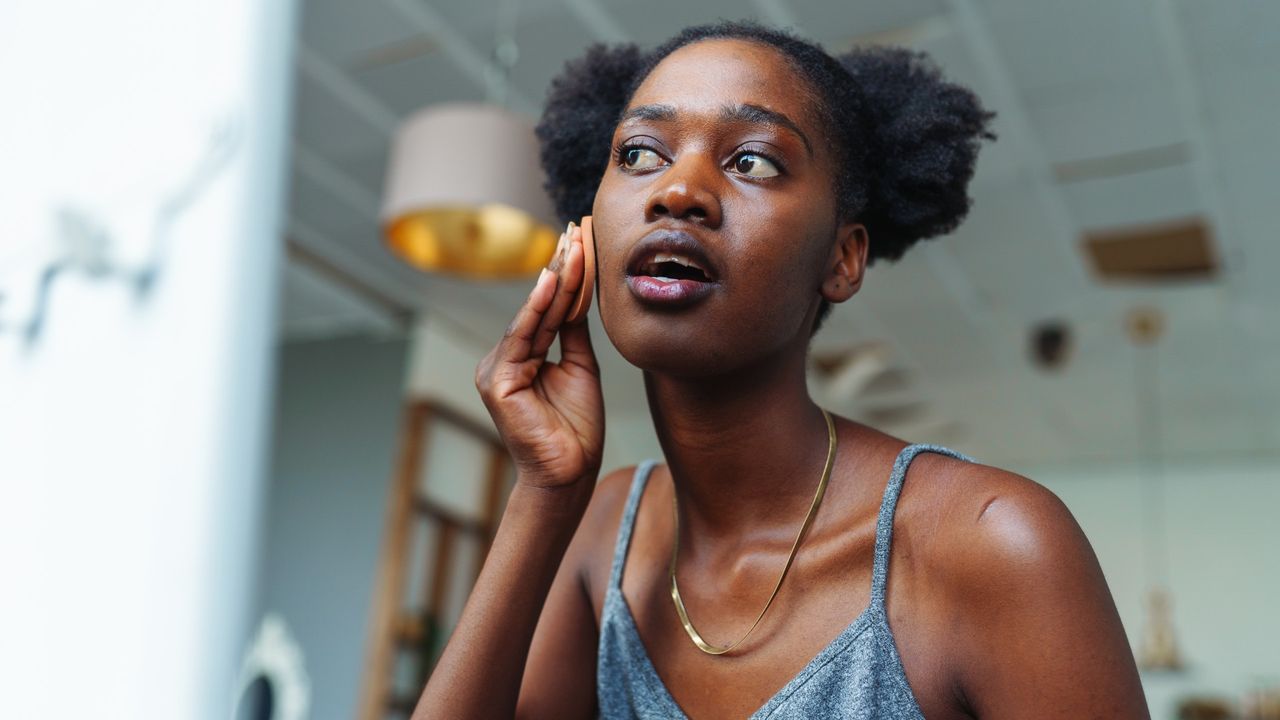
<point x="745" y="450"/>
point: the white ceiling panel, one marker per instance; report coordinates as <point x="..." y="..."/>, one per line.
<point x="1234" y="58"/>
<point x="1004" y="246"/>
<point x="324" y="122"/>
<point x="345" y="32"/>
<point x="1004" y="418"/>
<point x="908" y="283"/>
<point x="837" y="25"/>
<point x="1236" y="39"/>
<point x="414" y="81"/>
<point x="479" y="18"/>
<point x="1148" y="197"/>
<point x="1100" y="121"/>
<point x="545" y="45"/>
<point x="650" y="22"/>
<point x="1095" y="415"/>
<point x="1053" y="47"/>
<point x="850" y="324"/>
<point x="944" y="343"/>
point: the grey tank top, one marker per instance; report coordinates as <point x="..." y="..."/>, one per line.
<point x="858" y="675"/>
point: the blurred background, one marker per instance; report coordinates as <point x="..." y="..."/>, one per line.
<point x="252" y="253"/>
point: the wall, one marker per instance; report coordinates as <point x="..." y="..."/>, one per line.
<point x="143" y="157"/>
<point x="1223" y="549"/>
<point x="336" y="423"/>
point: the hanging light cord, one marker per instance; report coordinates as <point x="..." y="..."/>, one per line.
<point x="505" y="52"/>
<point x="1153" y="489"/>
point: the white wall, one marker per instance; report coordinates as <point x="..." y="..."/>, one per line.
<point x="132" y="425"/>
<point x="1223" y="554"/>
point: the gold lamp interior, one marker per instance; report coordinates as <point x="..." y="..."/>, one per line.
<point x="492" y="241"/>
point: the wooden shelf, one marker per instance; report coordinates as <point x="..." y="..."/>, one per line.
<point x="396" y="632"/>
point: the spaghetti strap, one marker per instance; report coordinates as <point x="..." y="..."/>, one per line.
<point x="638" y="481"/>
<point x="884" y="524"/>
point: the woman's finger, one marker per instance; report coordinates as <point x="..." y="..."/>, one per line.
<point x="518" y="339"/>
<point x="570" y="280"/>
<point x="575" y="347"/>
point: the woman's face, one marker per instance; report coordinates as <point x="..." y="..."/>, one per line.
<point x="715" y="220"/>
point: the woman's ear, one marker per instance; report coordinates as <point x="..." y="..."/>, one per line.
<point x="847" y="263"/>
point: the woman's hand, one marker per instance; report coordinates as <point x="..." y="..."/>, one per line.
<point x="550" y="415"/>
<point x="551" y="418"/>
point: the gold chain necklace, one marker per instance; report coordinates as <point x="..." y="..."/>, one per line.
<point x="705" y="646"/>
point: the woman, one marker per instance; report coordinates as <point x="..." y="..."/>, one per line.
<point x="741" y="180"/>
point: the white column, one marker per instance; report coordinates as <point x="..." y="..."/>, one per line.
<point x="140" y="139"/>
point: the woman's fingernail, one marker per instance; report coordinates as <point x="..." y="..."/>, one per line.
<point x="537" y="283"/>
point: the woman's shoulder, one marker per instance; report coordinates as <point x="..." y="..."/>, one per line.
<point x="609" y="499"/>
<point x="994" y="511"/>
<point x="1024" y="599"/>
<point x="1000" y="534"/>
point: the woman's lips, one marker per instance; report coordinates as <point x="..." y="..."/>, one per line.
<point x="670" y="292"/>
<point x="669" y="267"/>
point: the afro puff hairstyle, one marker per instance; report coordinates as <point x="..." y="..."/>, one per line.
<point x="906" y="139"/>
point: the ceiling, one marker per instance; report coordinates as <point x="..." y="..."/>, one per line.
<point x="1110" y="113"/>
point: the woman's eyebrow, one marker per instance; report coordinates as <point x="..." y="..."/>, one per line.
<point x="743" y="112"/>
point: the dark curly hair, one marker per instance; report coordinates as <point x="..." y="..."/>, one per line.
<point x="906" y="139"/>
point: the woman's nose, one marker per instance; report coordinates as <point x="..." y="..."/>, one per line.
<point x="685" y="191"/>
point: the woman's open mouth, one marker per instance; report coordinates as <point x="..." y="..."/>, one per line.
<point x="670" y="268"/>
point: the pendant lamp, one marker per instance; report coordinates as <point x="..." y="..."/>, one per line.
<point x="464" y="196"/>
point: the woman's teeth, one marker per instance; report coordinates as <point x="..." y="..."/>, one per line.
<point x="670" y="279"/>
<point x="668" y="257"/>
<point x="669" y="266"/>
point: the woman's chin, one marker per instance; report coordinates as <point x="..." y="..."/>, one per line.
<point x="669" y="349"/>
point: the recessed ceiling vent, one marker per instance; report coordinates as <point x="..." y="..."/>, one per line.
<point x="1172" y="251"/>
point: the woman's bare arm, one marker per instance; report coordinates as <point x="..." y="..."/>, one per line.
<point x="559" y="677"/>
<point x="551" y="419"/>
<point x="479" y="675"/>
<point x="1042" y="637"/>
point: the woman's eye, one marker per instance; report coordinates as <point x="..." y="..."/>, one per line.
<point x="638" y="158"/>
<point x="755" y="165"/>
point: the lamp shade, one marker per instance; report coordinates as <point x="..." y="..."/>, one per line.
<point x="464" y="193"/>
